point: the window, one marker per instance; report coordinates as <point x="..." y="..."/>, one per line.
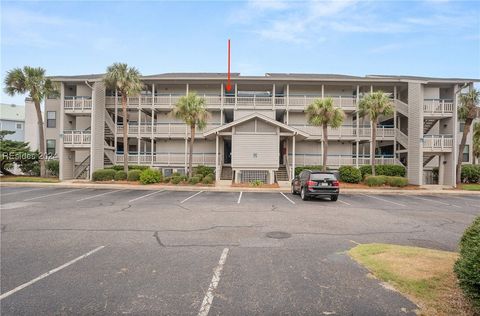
<point x="19" y="126"/>
<point x="461" y="125"/>
<point x="51" y="119"/>
<point x="466" y="153"/>
<point x="51" y="147"/>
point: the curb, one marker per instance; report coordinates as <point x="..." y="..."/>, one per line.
<point x="90" y="185"/>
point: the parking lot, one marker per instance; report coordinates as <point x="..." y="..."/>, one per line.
<point x="106" y="251"/>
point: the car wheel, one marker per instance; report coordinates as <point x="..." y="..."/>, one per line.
<point x="303" y="194"/>
<point x="334" y="197"/>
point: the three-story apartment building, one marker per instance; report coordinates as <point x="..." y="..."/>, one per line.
<point x="259" y="129"/>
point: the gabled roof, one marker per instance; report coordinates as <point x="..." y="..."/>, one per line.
<point x="253" y="116"/>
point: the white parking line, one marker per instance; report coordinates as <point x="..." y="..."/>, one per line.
<point x="239" y="197"/>
<point x="24" y="285"/>
<point x="287" y="198"/>
<point x="16" y="192"/>
<point x="430" y="200"/>
<point x="188" y="198"/>
<point x="44" y="196"/>
<point x="344" y="202"/>
<point x="101" y="194"/>
<point x="208" y="299"/>
<point x="144" y="196"/>
<point x="375" y="197"/>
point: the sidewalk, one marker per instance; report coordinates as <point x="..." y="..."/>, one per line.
<point x="224" y="188"/>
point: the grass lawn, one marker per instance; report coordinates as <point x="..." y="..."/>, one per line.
<point x="423" y="275"/>
<point x="27" y="179"/>
<point x="470" y="187"/>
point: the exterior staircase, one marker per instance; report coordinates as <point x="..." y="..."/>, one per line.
<point x="82" y="170"/>
<point x="428" y="124"/>
<point x="226" y="173"/>
<point x="427" y="159"/>
<point x="281" y="174"/>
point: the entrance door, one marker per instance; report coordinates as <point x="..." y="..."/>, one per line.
<point x="227" y="149"/>
<point x="282" y="151"/>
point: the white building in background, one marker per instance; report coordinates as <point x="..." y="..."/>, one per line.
<point x="259" y="129"/>
<point x="12" y="118"/>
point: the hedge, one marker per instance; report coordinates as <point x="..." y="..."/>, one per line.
<point x="375" y="181"/>
<point x="467" y="266"/>
<point x="53" y="166"/>
<point x="203" y="170"/>
<point x="149" y="176"/>
<point x="470" y="173"/>
<point x="350" y="174"/>
<point x="194" y="180"/>
<point x="103" y="175"/>
<point x="120" y="175"/>
<point x="176" y="179"/>
<point x="384" y="170"/>
<point x="133" y="175"/>
<point x="130" y="167"/>
<point x="397" y="181"/>
<point x="208" y="179"/>
<point x="300" y="169"/>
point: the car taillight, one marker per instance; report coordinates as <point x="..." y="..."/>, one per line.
<point x="335" y="183"/>
<point x="311" y="183"/>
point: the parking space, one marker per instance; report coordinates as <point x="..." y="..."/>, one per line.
<point x="200" y="253"/>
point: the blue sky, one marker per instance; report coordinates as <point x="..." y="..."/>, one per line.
<point x="430" y="38"/>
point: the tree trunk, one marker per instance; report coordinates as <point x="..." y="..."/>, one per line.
<point x="41" y="135"/>
<point x="374" y="147"/>
<point x="466" y="130"/>
<point x="190" y="153"/>
<point x="4" y="171"/>
<point x="325" y="147"/>
<point x="125" y="133"/>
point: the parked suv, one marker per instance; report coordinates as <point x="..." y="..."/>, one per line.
<point x="312" y="183"/>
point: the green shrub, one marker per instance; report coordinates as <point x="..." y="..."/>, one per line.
<point x="467" y="266"/>
<point x="384" y="170"/>
<point x="166" y="179"/>
<point x="149" y="176"/>
<point x="176" y="174"/>
<point x="199" y="176"/>
<point x="120" y="175"/>
<point x="207" y="179"/>
<point x="375" y="181"/>
<point x="103" y="175"/>
<point x="470" y="173"/>
<point x="203" y="170"/>
<point x="130" y="167"/>
<point x="256" y="183"/>
<point x="30" y="167"/>
<point x="176" y="179"/>
<point x="183" y="178"/>
<point x="194" y="180"/>
<point x="350" y="174"/>
<point x="397" y="181"/>
<point x="300" y="169"/>
<point x="53" y="166"/>
<point x="133" y="175"/>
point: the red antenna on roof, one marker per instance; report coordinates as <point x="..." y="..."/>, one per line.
<point x="229" y="86"/>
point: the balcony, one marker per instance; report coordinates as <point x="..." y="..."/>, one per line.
<point x="168" y="101"/>
<point x="167" y="159"/>
<point x="437" y="143"/>
<point x="77" y="105"/>
<point x="163" y="129"/>
<point x="77" y="138"/>
<point x="340" y="160"/>
<point x="348" y="131"/>
<point x="437" y="108"/>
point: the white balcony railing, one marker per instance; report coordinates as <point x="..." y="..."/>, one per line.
<point x="437" y="142"/>
<point x="347" y="131"/>
<point x="164" y="129"/>
<point x="77" y="104"/>
<point x="168" y="159"/>
<point x="437" y="107"/>
<point x="77" y="137"/>
<point x="339" y="160"/>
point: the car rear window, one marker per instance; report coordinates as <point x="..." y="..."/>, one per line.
<point x="322" y="176"/>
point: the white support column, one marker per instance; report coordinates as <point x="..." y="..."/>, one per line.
<point x="222" y="101"/>
<point x="288" y="102"/>
<point x="321" y="148"/>
<point x="186" y="149"/>
<point x="323" y="91"/>
<point x="138" y="150"/>
<point x="153" y="125"/>
<point x="236" y="92"/>
<point x="217" y="165"/>
<point x="293" y="156"/>
<point x="356" y="152"/>
<point x="116" y="126"/>
<point x="371" y="88"/>
<point x="273" y="96"/>
<point x="187" y="89"/>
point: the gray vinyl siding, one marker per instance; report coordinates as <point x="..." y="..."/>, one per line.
<point x="98" y="127"/>
<point x="264" y="155"/>
<point x="415" y="133"/>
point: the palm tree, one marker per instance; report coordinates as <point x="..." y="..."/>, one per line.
<point x="32" y="81"/>
<point x="191" y="109"/>
<point x="126" y="81"/>
<point x="374" y="105"/>
<point x="323" y="113"/>
<point x="476" y="142"/>
<point x="468" y="111"/>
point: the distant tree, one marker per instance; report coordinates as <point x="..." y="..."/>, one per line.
<point x="374" y="105"/>
<point x="126" y="81"/>
<point x="191" y="109"/>
<point x="32" y="81"/>
<point x="476" y="142"/>
<point x="323" y="113"/>
<point x="14" y="152"/>
<point x="468" y="112"/>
